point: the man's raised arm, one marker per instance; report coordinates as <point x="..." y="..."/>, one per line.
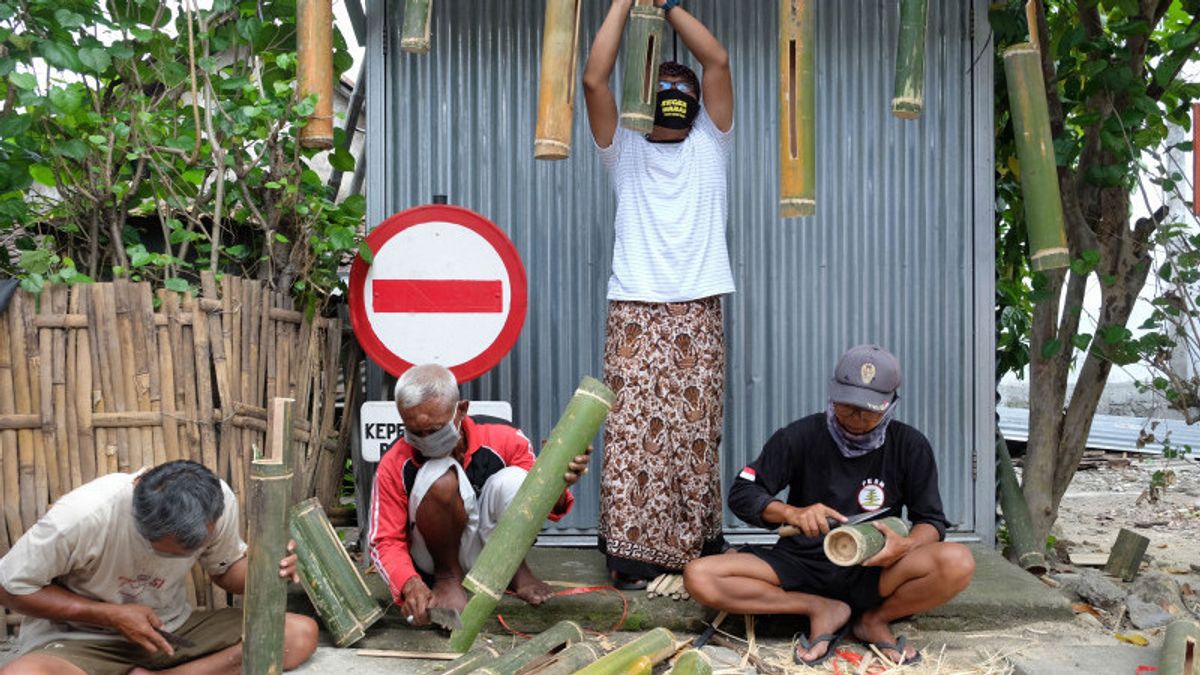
<point x="601" y="103"/>
<point x="717" y="81"/>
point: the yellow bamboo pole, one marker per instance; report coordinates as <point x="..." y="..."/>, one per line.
<point x="314" y="69"/>
<point x="797" y="110"/>
<point x="556" y="94"/>
<point x="642" y="45"/>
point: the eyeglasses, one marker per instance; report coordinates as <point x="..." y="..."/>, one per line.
<point x="684" y="87"/>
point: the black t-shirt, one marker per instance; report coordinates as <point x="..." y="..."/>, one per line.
<point x="804" y="457"/>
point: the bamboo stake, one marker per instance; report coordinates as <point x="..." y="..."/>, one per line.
<point x="1180" y="655"/>
<point x="166" y="365"/>
<point x="520" y="524"/>
<point x="797" y="109"/>
<point x="692" y="662"/>
<point x="26" y="456"/>
<point x="654" y="646"/>
<point x="561" y="633"/>
<point x="1035" y="151"/>
<point x="852" y="544"/>
<point x="418" y="22"/>
<point x="314" y="69"/>
<point x="1016" y="513"/>
<point x="909" y="96"/>
<point x="469" y="662"/>
<point x="266" y="592"/>
<point x="556" y="92"/>
<point x="642" y="45"/>
<point x="573" y="658"/>
<point x="9" y="460"/>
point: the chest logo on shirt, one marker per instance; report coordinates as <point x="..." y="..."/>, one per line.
<point x="872" y="495"/>
<point x="131" y="588"/>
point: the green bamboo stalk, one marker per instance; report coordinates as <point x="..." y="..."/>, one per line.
<point x="1180" y="649"/>
<point x="656" y="645"/>
<point x="541" y="644"/>
<point x="692" y="662"/>
<point x="797" y="109"/>
<point x="556" y="92"/>
<point x="268" y="493"/>
<point x="418" y="15"/>
<point x="641" y="48"/>
<point x="467" y="663"/>
<point x="1016" y="514"/>
<point x="569" y="660"/>
<point x="520" y="524"/>
<point x="852" y="544"/>
<point x="1035" y="150"/>
<point x="909" y="92"/>
<point x="329" y="577"/>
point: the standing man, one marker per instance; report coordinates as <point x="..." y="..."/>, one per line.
<point x="849" y="459"/>
<point x="440" y="491"/>
<point x="664" y="355"/>
<point x="102" y="575"/>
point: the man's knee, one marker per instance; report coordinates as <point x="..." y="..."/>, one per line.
<point x="40" y="664"/>
<point x="698" y="579"/>
<point x="299" y="639"/>
<point x="444" y="490"/>
<point x="955" y="564"/>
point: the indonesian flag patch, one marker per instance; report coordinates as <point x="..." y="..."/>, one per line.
<point x="748" y="474"/>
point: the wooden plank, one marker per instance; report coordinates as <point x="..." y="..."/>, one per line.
<point x="67" y="462"/>
<point x="146" y="330"/>
<point x="10" y="478"/>
<point x="1126" y="555"/>
<point x="204" y="392"/>
<point x="79" y="397"/>
<point x="26" y="457"/>
<point x="166" y="370"/>
<point x="41" y="341"/>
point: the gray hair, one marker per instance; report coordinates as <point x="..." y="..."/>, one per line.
<point x="179" y="499"/>
<point x="427" y="382"/>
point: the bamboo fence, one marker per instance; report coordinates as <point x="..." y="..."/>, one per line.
<point x="108" y="377"/>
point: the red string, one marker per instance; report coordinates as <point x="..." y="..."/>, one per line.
<point x="1145" y="669"/>
<point x="580" y="590"/>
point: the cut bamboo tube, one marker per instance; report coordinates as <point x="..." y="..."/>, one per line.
<point x="569" y="660"/>
<point x="1180" y="655"/>
<point x="521" y="522"/>
<point x="469" y="662"/>
<point x="1126" y="555"/>
<point x="418" y="22"/>
<point x="655" y="646"/>
<point x="642" y="665"/>
<point x="329" y="577"/>
<point x="1035" y="151"/>
<point x="797" y="109"/>
<point x="642" y="46"/>
<point x="314" y="69"/>
<point x="908" y="98"/>
<point x="269" y="492"/>
<point x="852" y="544"/>
<point x="556" y="92"/>
<point x="692" y="662"/>
<point x="1196" y="158"/>
<point x="1024" y="544"/>
<point x="552" y="638"/>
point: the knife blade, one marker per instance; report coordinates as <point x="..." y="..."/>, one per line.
<point x="447" y="618"/>
<point x="792" y="530"/>
<point x="176" y="641"/>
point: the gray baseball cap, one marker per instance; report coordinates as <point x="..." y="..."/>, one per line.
<point x="866" y="376"/>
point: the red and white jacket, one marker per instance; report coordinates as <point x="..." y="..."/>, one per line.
<point x="491" y="446"/>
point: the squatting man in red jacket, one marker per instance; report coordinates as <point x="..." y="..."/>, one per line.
<point x="440" y="491"/>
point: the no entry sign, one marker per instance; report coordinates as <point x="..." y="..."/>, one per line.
<point x="446" y="286"/>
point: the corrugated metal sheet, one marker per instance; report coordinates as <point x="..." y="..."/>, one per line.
<point x="899" y="253"/>
<point x="1116" y="432"/>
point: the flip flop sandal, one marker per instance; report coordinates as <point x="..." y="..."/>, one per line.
<point x="897" y="647"/>
<point x="626" y="583"/>
<point x="804" y="644"/>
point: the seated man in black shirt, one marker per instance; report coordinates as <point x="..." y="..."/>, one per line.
<point x="849" y="459"/>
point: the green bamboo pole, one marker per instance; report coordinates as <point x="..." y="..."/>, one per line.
<point x="642" y="45"/>
<point x="692" y="662"/>
<point x="556" y="93"/>
<point x="265" y="602"/>
<point x="852" y="544"/>
<point x="571" y="659"/>
<point x="656" y="645"/>
<point x="418" y="15"/>
<point x="909" y="93"/>
<point x="520" y="524"/>
<point x="1035" y="150"/>
<point x="469" y="662"/>
<point x="329" y="577"/>
<point x="1016" y="514"/>
<point x="1180" y="652"/>
<point x="797" y="109"/>
<point x="539" y="645"/>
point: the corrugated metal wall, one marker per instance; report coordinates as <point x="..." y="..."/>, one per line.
<point x="900" y="252"/>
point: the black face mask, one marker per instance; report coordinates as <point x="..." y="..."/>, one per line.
<point x="674" y="109"/>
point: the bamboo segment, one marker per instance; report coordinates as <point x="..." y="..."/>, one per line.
<point x="1035" y="150"/>
<point x="654" y="646"/>
<point x="1016" y="514"/>
<point x="469" y="662"/>
<point x="418" y="20"/>
<point x="642" y="45"/>
<point x="1180" y="655"/>
<point x="692" y="662"/>
<point x="642" y="665"/>
<point x="797" y="109"/>
<point x="552" y="638"/>
<point x="329" y="577"/>
<point x="268" y="495"/>
<point x="852" y="544"/>
<point x="314" y="69"/>
<point x="569" y="660"/>
<point x="520" y="524"/>
<point x="909" y="93"/>
<point x="556" y="93"/>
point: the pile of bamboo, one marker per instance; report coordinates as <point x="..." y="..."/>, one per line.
<point x="111" y="377"/>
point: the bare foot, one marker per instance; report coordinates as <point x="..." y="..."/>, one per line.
<point x="828" y="618"/>
<point x="529" y="588"/>
<point x="448" y="592"/>
<point x="871" y="629"/>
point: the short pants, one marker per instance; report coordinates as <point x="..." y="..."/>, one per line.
<point x="856" y="586"/>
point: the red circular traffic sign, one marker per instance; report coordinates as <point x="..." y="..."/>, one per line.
<point x="446" y="286"/>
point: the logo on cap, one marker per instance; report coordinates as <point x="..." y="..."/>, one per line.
<point x="867" y="372"/>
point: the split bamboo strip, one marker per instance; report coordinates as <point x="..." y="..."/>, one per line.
<point x="330" y="463"/>
<point x="287" y="344"/>
<point x="314" y="69"/>
<point x="204" y="394"/>
<point x="556" y="91"/>
<point x="231" y="334"/>
<point x="141" y="446"/>
<point x="249" y="328"/>
<point x="332" y="363"/>
<point x="692" y="662"/>
<point x="655" y="645"/>
<point x="561" y="633"/>
<point x="418" y="22"/>
<point x="43" y="458"/>
<point x="797" y="109"/>
<point x="1180" y="649"/>
<point x="270" y="343"/>
<point x="1035" y="151"/>
<point x="9" y="475"/>
<point x="852" y="544"/>
<point x="15" y="422"/>
<point x="521" y="522"/>
<point x="79" y="382"/>
<point x="469" y="662"/>
<point x="147" y="328"/>
<point x="88" y="390"/>
<point x="52" y="380"/>
<point x="1196" y="158"/>
<point x="641" y="48"/>
<point x="68" y="463"/>
<point x="307" y="373"/>
<point x="329" y="577"/>
<point x="569" y="660"/>
<point x="1025" y="545"/>
<point x="185" y="392"/>
<point x="267" y="497"/>
<point x="166" y="365"/>
<point x="909" y="93"/>
<point x="126" y="442"/>
<point x="102" y="398"/>
<point x="228" y="451"/>
<point x="26" y="456"/>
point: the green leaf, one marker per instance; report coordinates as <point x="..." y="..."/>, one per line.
<point x="341" y="238"/>
<point x="67" y="99"/>
<point x="14" y="125"/>
<point x="279" y="237"/>
<point x="95" y="59"/>
<point x="68" y="19"/>
<point x="97" y="139"/>
<point x="1051" y="349"/>
<point x="1081" y="341"/>
<point x="37" y="261"/>
<point x="60" y="55"/>
<point x="73" y="148"/>
<point x="365" y="252"/>
<point x="26" y="81"/>
<point x="1114" y="334"/>
<point x="176" y="284"/>
<point x="42" y="174"/>
<point x="195" y="176"/>
<point x="341" y="160"/>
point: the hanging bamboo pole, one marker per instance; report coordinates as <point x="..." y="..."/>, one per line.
<point x="1016" y="514"/>
<point x="1035" y="150"/>
<point x="641" y="49"/>
<point x="556" y="93"/>
<point x="520" y="524"/>
<point x="268" y="494"/>
<point x="543" y="643"/>
<point x="692" y="662"/>
<point x="655" y="646"/>
<point x="314" y="69"/>
<point x="1180" y="655"/>
<point x="909" y="93"/>
<point x="571" y="659"/>
<point x="418" y="20"/>
<point x="797" y="109"/>
<point x="852" y="544"/>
